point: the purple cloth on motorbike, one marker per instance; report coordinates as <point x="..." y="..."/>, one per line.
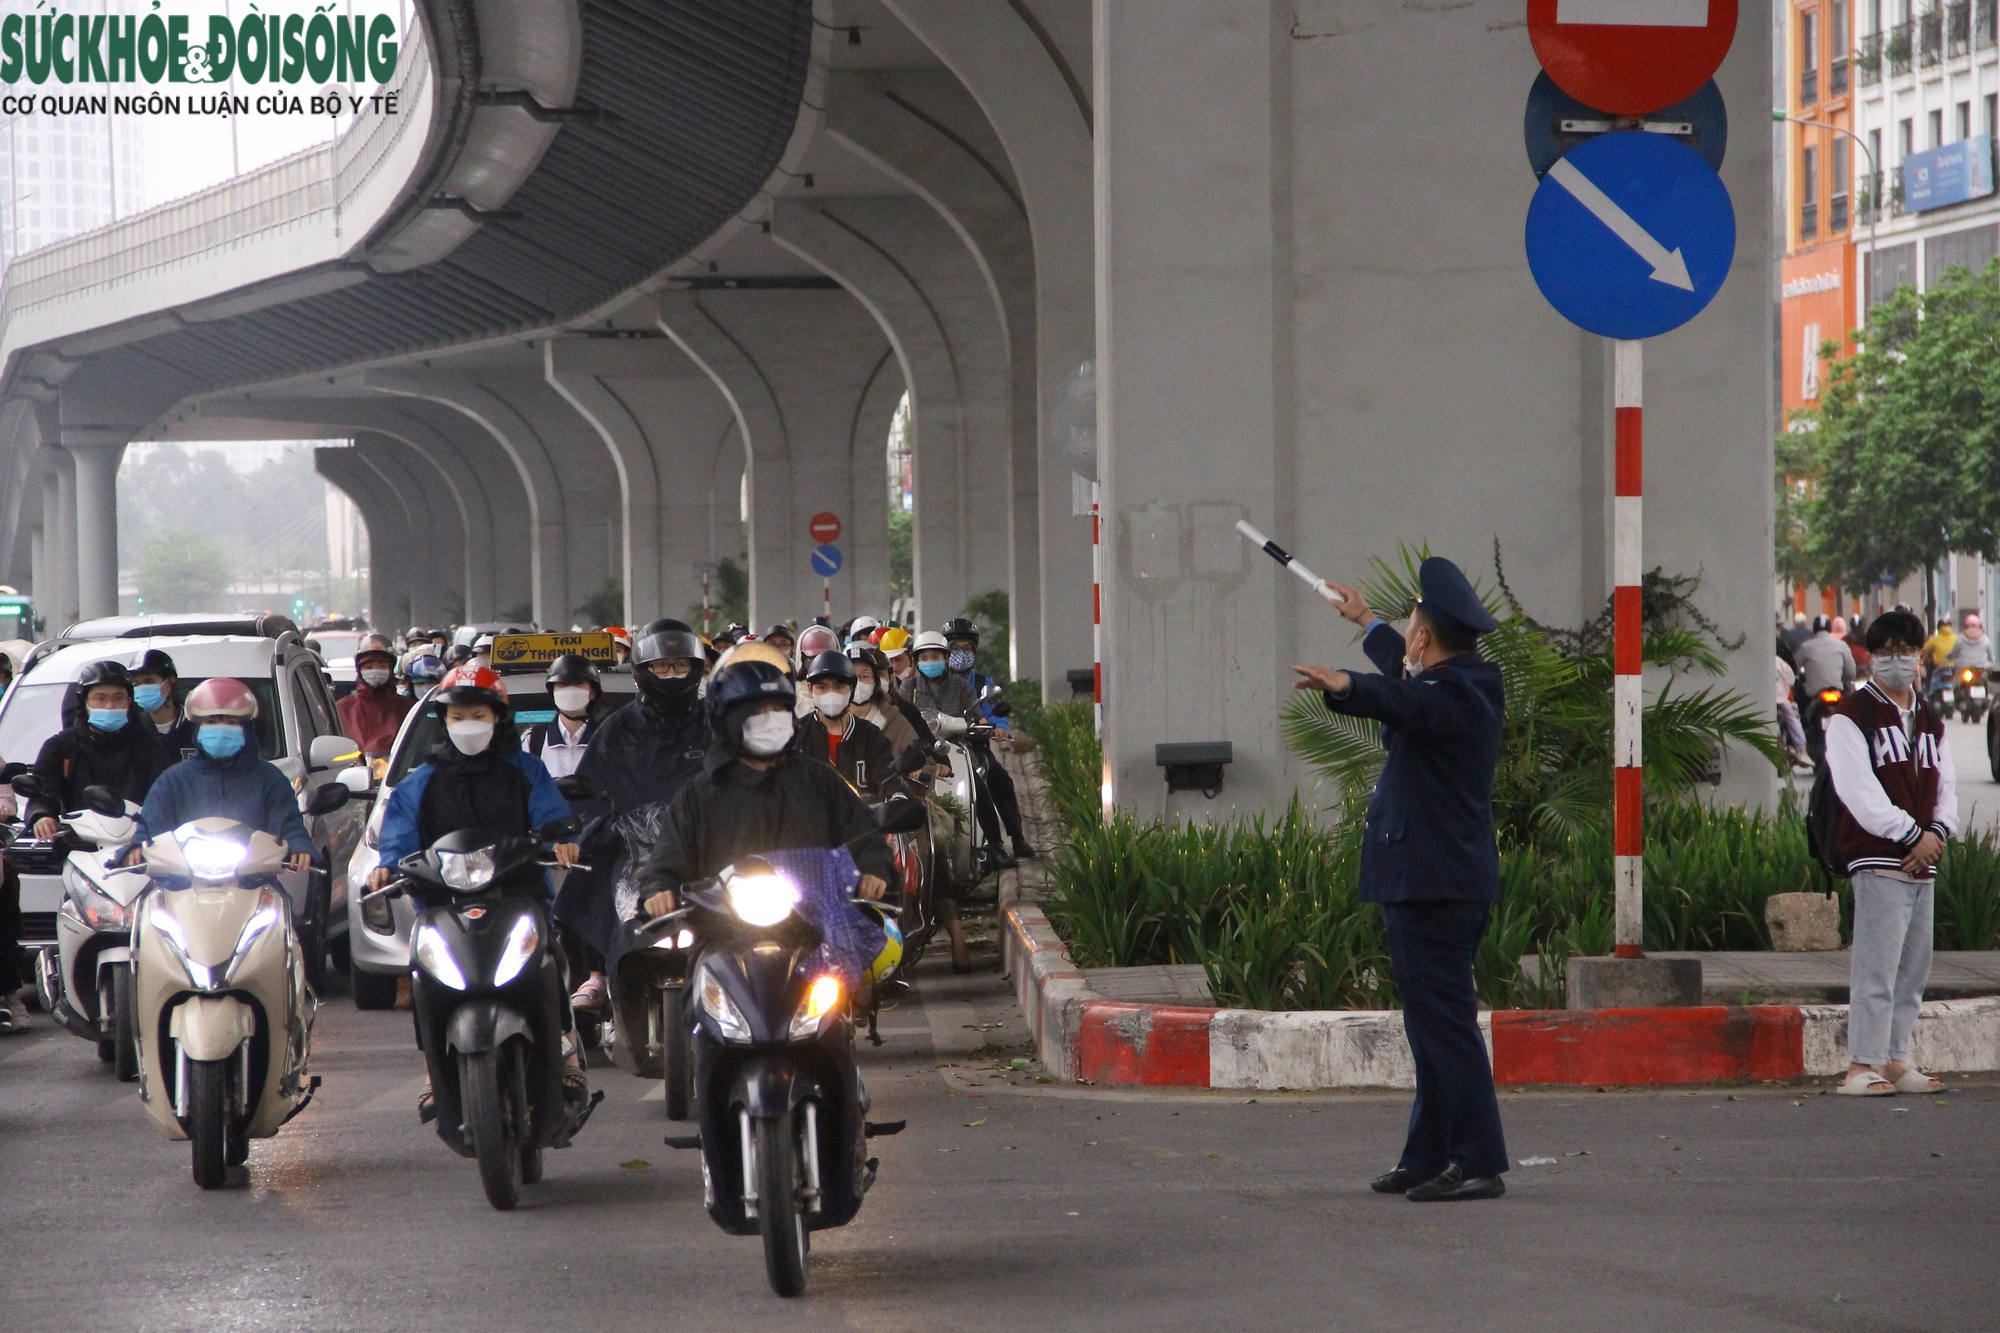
<point x="825" y="879"/>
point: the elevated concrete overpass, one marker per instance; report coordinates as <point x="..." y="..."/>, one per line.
<point x="1231" y="259"/>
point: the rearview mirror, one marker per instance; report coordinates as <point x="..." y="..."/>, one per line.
<point x="990" y="693"/>
<point x="901" y="815"/>
<point x="104" y="801"/>
<point x="327" y="797"/>
<point x="11" y="771"/>
<point x="556" y="830"/>
<point x="575" y="788"/>
<point x="1003" y="709"/>
<point x="330" y="751"/>
<point x="912" y="759"/>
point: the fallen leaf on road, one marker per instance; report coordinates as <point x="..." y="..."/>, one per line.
<point x="1580" y="1152"/>
<point x="636" y="1164"/>
<point x="1538" y="1161"/>
<point x="1216" y="1155"/>
<point x="975" y="1124"/>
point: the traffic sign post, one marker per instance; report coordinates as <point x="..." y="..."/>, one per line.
<point x="1630" y="235"/>
<point x="824" y="527"/>
<point x="826" y="562"/>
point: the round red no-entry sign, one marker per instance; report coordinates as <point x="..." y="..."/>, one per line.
<point x="1629" y="57"/>
<point x="825" y="527"/>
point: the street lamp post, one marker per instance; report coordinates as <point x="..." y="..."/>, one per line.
<point x="1783" y="117"/>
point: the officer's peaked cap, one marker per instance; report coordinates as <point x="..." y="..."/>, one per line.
<point x="1447" y="595"/>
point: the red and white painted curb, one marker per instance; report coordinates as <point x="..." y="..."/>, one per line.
<point x="1086" y="1037"/>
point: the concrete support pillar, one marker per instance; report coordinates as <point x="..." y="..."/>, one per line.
<point x="1028" y="66"/>
<point x="59" y="545"/>
<point x="390" y="539"/>
<point x="38" y="569"/>
<point x="436" y="536"/>
<point x="97" y="463"/>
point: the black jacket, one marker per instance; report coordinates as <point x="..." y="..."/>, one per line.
<point x="1430" y="826"/>
<point x="643" y="753"/>
<point x="864" y="757"/>
<point x="79" y="756"/>
<point x="732" y="811"/>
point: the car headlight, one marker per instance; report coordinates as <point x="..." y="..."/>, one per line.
<point x="522" y="943"/>
<point x="211" y="857"/>
<point x="822" y="997"/>
<point x="434" y="957"/>
<point x="268" y="914"/>
<point x="762" y="898"/>
<point x="169" y="929"/>
<point x="715" y="1001"/>
<point x="466" y="871"/>
<point x="98" y="910"/>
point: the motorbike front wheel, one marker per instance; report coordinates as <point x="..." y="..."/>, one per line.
<point x="780" y="1215"/>
<point x="677" y="1052"/>
<point x="491" y="1124"/>
<point x="208" y="1120"/>
<point x="125" y="1047"/>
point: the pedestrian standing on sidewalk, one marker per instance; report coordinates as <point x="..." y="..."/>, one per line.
<point x="1892" y="773"/>
<point x="1431" y="860"/>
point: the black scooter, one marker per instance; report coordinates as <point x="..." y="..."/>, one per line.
<point x="777" y="1094"/>
<point x="491" y="1001"/>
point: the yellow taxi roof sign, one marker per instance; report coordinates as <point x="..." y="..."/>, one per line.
<point x="521" y="652"/>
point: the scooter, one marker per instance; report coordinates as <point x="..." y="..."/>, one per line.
<point x="1968" y="693"/>
<point x="649" y="1032"/>
<point x="491" y="1002"/>
<point x="85" y="982"/>
<point x="778" y="1097"/>
<point x="223" y="1012"/>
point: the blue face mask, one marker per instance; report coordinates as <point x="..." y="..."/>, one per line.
<point x="219" y="740"/>
<point x="150" y="697"/>
<point x="108" y="719"/>
<point x="931" y="669"/>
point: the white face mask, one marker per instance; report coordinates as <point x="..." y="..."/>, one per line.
<point x="470" y="737"/>
<point x="767" y="733"/>
<point x="375" y="676"/>
<point x="572" y="698"/>
<point x="831" y="703"/>
<point x="864" y="691"/>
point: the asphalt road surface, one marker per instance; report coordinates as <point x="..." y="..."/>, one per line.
<point x="1008" y="1204"/>
<point x="1978" y="793"/>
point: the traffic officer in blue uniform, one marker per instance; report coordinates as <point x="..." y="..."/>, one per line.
<point x="1430" y="859"/>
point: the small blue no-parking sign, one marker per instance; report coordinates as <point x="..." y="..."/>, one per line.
<point x="826" y="560"/>
<point x="1631" y="234"/>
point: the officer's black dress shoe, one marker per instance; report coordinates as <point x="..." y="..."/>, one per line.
<point x="1395" y="1182"/>
<point x="1452" y="1185"/>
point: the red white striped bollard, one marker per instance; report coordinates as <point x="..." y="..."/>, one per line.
<point x="1628" y="690"/>
<point x="826" y="600"/>
<point x="1096" y="614"/>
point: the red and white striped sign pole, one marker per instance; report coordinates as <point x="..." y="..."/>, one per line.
<point x="1628" y="690"/>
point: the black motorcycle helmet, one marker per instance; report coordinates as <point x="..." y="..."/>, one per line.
<point x="572" y="669"/>
<point x="960" y="627"/>
<point x="831" y="663"/>
<point x="157" y="663"/>
<point x="736" y="690"/>
<point x="667" y="639"/>
<point x="94" y="674"/>
<point x="457" y="654"/>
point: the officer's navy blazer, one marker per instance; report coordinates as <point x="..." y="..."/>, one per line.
<point x="1430" y="826"/>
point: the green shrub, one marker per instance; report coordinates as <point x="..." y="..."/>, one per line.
<point x="1968" y="893"/>
<point x="1072" y="761"/>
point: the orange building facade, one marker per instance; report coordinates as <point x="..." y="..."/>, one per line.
<point x="1828" y="185"/>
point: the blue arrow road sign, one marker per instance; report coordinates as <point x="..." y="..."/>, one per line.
<point x="1630" y="235"/>
<point x="826" y="560"/>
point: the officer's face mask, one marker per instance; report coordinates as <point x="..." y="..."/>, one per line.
<point x="1414" y="650"/>
<point x="961" y="660"/>
<point x="109" y="719"/>
<point x="470" y="737"/>
<point x="932" y="670"/>
<point x="572" y="699"/>
<point x="764" y="734"/>
<point x="1896" y="673"/>
<point x="864" y="690"/>
<point x="831" y="703"/>
<point x="375" y="677"/>
<point x="219" y="740"/>
<point x="150" y="697"/>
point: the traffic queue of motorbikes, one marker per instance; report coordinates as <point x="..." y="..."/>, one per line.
<point x="180" y="958"/>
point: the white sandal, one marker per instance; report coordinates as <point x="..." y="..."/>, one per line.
<point x="1916" y="1080"/>
<point x="1866" y="1083"/>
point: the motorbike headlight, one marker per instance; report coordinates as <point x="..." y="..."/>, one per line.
<point x="169" y="929"/>
<point x="261" y="920"/>
<point x="434" y="957"/>
<point x="98" y="910"/>
<point x="762" y="899"/>
<point x="822" y="998"/>
<point x="523" y="941"/>
<point x="211" y="857"/>
<point x="684" y="940"/>
<point x="715" y="1002"/>
<point x="466" y="871"/>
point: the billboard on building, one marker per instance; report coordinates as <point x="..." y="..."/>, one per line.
<point x="1940" y="177"/>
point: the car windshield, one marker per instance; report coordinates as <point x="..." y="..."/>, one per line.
<point x="336" y="644"/>
<point x="34" y="713"/>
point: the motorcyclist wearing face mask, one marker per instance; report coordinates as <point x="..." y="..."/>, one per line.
<point x="478" y="777"/>
<point x="153" y="689"/>
<point x="227" y="778"/>
<point x="962" y="641"/>
<point x="562" y="743"/>
<point x="421" y="673"/>
<point x="835" y="732"/>
<point x="876" y="700"/>
<point x="649" y="749"/>
<point x="813" y="640"/>
<point x="109" y="742"/>
<point x="757" y="793"/>
<point x="371" y="716"/>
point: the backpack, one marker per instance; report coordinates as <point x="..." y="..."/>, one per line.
<point x="1823" y="810"/>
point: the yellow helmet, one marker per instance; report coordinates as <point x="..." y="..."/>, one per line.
<point x="891" y="955"/>
<point x="754" y="650"/>
<point x="895" y="642"/>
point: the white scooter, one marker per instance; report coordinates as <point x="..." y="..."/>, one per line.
<point x="85" y="983"/>
<point x="955" y="830"/>
<point x="224" y="1014"/>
